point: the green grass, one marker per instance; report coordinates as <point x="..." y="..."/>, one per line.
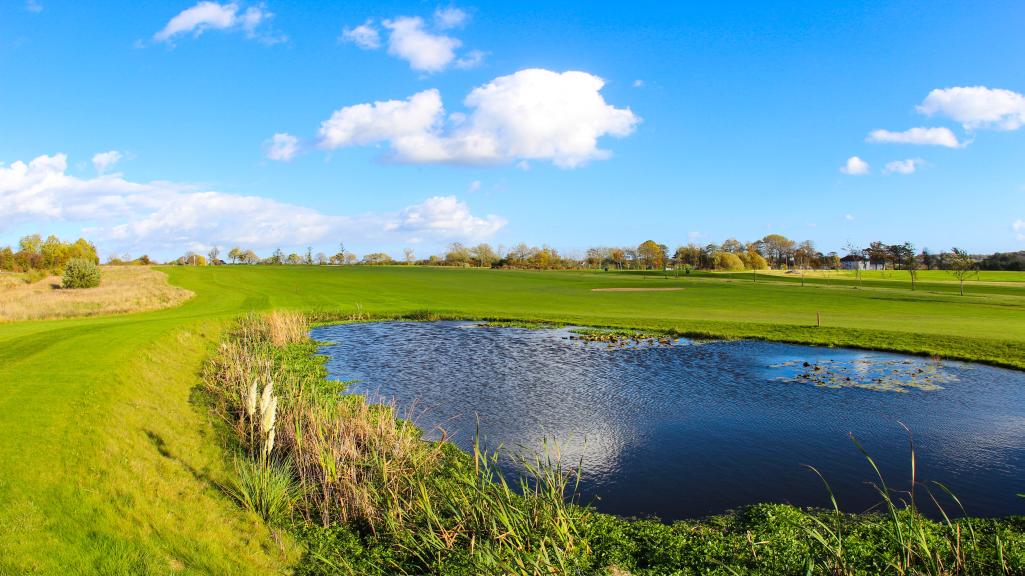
<point x="109" y="465"/>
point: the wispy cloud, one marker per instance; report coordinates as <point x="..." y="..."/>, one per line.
<point x="908" y="166"/>
<point x="923" y="136"/>
<point x="208" y="15"/>
<point x="164" y="215"/>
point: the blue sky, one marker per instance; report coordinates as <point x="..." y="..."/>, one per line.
<point x="572" y="124"/>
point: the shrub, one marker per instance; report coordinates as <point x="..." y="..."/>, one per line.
<point x="81" y="273"/>
<point x="728" y="261"/>
<point x="265" y="488"/>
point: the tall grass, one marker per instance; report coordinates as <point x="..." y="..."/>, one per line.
<point x="912" y="544"/>
<point x="338" y="460"/>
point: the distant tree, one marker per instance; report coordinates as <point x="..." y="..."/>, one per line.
<point x="407" y="254"/>
<point x="904" y="256"/>
<point x="339" y="256"/>
<point x="457" y="254"/>
<point x="213" y="254"/>
<point x="756" y="261"/>
<point x="249" y="257"/>
<point x="962" y="265"/>
<point x="308" y="259"/>
<point x="6" y="258"/>
<point x="778" y="249"/>
<point x="483" y="255"/>
<point x="321" y="258"/>
<point x="235" y="254"/>
<point x="277" y="257"/>
<point x="733" y="246"/>
<point x="727" y="261"/>
<point x="349" y="258"/>
<point x="377" y="258"/>
<point x="651" y="255"/>
<point x="31" y="243"/>
<point x="878" y="254"/>
<point x="804" y="255"/>
<point x="294" y="258"/>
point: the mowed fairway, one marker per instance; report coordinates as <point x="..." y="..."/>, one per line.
<point x="109" y="463"/>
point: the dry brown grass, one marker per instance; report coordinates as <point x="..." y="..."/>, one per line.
<point x="122" y="289"/>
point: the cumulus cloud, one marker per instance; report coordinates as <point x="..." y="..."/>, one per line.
<point x="908" y="166"/>
<point x="977" y="107"/>
<point x="207" y="15"/>
<point x="855" y="166"/>
<point x="282" y="147"/>
<point x="534" y="114"/>
<point x="423" y="50"/>
<point x="923" y="136"/>
<point x="174" y="216"/>
<point x="103" y="161"/>
<point x="365" y="36"/>
<point x="444" y="217"/>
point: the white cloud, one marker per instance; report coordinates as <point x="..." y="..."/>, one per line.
<point x="638" y="83"/>
<point x="163" y="215"/>
<point x="282" y="146"/>
<point x="908" y="166"/>
<point x="533" y="114"/>
<point x="444" y="217"/>
<point x="33" y="6"/>
<point x="923" y="136"/>
<point x="207" y="15"/>
<point x="1019" y="228"/>
<point x="423" y="50"/>
<point x="446" y="18"/>
<point x="977" y="107"/>
<point x="848" y="217"/>
<point x="103" y="161"/>
<point x="474" y="186"/>
<point x="365" y="36"/>
<point x="855" y="166"/>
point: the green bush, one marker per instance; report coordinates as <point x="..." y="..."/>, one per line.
<point x="81" y="273"/>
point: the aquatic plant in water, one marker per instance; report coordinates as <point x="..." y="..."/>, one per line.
<point x="868" y="373"/>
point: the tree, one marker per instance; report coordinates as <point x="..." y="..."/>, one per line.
<point x="321" y="258"/>
<point x="294" y="259"/>
<point x="777" y="248"/>
<point x="277" y="257"/>
<point x="309" y="256"/>
<point x="651" y="255"/>
<point x="727" y="261"/>
<point x="962" y="265"/>
<point x="457" y="254"/>
<point x="733" y="246"/>
<point x="377" y="258"/>
<point x="235" y="254"/>
<point x="213" y="254"/>
<point x="250" y="257"/>
<point x="30" y="244"/>
<point x="407" y="253"/>
<point x="483" y="255"/>
<point x="340" y="255"/>
<point x="904" y="254"/>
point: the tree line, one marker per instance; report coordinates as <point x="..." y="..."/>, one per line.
<point x="52" y="254"/>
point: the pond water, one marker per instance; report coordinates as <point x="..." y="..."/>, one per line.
<point x="689" y="429"/>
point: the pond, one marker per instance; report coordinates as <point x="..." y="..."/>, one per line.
<point x="687" y="429"/>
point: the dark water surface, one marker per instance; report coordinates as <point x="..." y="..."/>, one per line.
<point x="688" y="429"/>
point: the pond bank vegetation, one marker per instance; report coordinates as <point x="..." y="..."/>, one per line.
<point x="366" y="494"/>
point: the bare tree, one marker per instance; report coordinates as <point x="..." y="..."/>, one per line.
<point x="408" y="253"/>
<point x="213" y="254"/>
<point x="962" y="265"/>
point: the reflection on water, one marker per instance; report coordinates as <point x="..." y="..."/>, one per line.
<point x="683" y="431"/>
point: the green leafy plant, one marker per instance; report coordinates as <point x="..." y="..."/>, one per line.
<point x="81" y="273"/>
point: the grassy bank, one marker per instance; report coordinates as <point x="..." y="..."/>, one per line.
<point x="365" y="495"/>
<point x="109" y="465"/>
